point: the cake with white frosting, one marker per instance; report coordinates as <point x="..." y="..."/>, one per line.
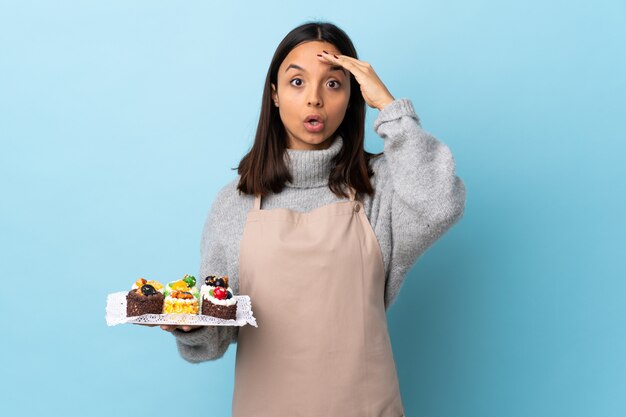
<point x="217" y="298"/>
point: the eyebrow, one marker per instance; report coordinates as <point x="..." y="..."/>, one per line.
<point x="332" y="68"/>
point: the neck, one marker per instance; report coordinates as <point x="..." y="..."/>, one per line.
<point x="311" y="168"/>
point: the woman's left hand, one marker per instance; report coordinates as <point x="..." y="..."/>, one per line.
<point x="374" y="91"/>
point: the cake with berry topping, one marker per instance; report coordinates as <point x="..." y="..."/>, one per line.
<point x="182" y="296"/>
<point x="217" y="298"/>
<point x="145" y="297"/>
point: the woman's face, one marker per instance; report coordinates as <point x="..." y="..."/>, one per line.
<point x="309" y="85"/>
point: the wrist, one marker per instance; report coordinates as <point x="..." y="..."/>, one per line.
<point x="386" y="103"/>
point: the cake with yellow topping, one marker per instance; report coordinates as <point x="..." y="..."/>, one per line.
<point x="145" y="297"/>
<point x="182" y="296"/>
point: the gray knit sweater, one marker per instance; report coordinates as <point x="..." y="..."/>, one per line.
<point x="417" y="198"/>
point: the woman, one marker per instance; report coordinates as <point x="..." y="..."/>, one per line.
<point x="320" y="234"/>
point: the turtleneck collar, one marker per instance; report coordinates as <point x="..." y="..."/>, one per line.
<point x="311" y="168"/>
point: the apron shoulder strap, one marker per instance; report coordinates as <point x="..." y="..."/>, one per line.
<point x="257" y="202"/>
<point x="352" y="193"/>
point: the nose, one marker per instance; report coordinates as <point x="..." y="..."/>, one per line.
<point x="316" y="102"/>
<point x="315" y="98"/>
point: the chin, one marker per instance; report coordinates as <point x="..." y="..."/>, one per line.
<point x="312" y="140"/>
<point x="319" y="143"/>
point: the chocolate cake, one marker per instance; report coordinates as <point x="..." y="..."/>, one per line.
<point x="144" y="300"/>
<point x="218" y="299"/>
<point x="216" y="310"/>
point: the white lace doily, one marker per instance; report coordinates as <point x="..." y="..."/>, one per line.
<point x="116" y="314"/>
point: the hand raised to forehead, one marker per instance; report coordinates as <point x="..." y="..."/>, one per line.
<point x="374" y="92"/>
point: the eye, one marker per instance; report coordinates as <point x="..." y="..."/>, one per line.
<point x="336" y="83"/>
<point x="295" y="79"/>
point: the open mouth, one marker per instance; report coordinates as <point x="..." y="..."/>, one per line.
<point x="314" y="124"/>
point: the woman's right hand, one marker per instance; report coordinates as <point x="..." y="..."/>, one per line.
<point x="169" y="328"/>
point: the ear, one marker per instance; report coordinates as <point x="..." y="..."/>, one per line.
<point x="274" y="95"/>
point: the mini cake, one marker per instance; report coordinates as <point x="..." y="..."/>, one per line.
<point x="181" y="296"/>
<point x="217" y="298"/>
<point x="145" y="297"/>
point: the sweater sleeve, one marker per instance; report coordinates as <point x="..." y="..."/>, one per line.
<point x="208" y="342"/>
<point x="418" y="196"/>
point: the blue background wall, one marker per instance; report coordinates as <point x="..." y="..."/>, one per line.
<point x="120" y="120"/>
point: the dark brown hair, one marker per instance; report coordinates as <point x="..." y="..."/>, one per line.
<point x="263" y="169"/>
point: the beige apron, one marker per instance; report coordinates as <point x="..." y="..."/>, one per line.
<point x="321" y="349"/>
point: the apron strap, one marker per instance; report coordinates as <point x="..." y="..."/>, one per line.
<point x="257" y="202"/>
<point x="352" y="193"/>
